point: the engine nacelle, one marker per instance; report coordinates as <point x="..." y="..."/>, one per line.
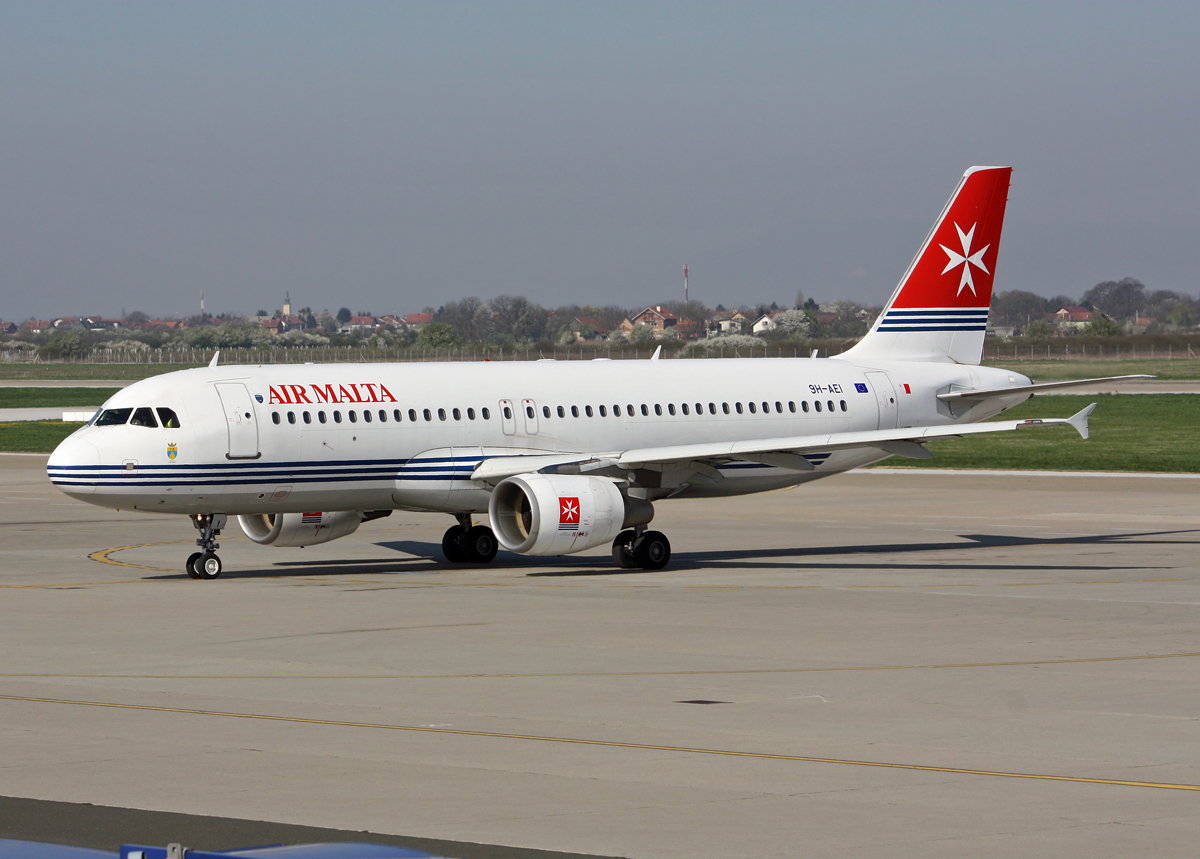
<point x="557" y="514"/>
<point x="300" y="529"/>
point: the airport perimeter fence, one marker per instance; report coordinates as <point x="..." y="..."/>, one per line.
<point x="993" y="351"/>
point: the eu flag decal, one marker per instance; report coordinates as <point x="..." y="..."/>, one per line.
<point x="860" y="387"/>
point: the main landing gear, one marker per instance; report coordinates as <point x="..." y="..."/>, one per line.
<point x="466" y="542"/>
<point x="205" y="564"/>
<point x="637" y="547"/>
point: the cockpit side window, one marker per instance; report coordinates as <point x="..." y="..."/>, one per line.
<point x="168" y="418"/>
<point x="113" y="417"/>
<point x="143" y="417"/>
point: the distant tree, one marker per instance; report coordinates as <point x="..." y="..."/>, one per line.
<point x="325" y="320"/>
<point x="720" y="308"/>
<point x="792" y="324"/>
<point x="641" y="333"/>
<point x="1182" y="315"/>
<point x="799" y="299"/>
<point x="1039" y="330"/>
<point x="1102" y="326"/>
<point x="136" y="318"/>
<point x="1118" y="299"/>
<point x="437" y="335"/>
<point x="344" y="315"/>
<point x="811" y="305"/>
<point x="517" y="317"/>
<point x="260" y="313"/>
<point x="1058" y="302"/>
<point x="470" y="318"/>
<point x="1017" y="307"/>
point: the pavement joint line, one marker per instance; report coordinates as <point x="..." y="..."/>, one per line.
<point x="610" y="744"/>
<point x="700" y="672"/>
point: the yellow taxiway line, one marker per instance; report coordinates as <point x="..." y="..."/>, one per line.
<point x="610" y="744"/>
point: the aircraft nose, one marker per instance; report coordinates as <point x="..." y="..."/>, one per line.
<point x="72" y="466"/>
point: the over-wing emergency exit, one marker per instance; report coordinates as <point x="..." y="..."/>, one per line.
<point x="559" y="457"/>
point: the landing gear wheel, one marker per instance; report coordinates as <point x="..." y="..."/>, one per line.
<point x="653" y="551"/>
<point x="209" y="566"/>
<point x="480" y="544"/>
<point x="190" y="566"/>
<point x="453" y="544"/>
<point x="621" y="551"/>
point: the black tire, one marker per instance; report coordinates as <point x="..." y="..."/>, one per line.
<point x="480" y="544"/>
<point x="622" y="554"/>
<point x="190" y="566"/>
<point x="453" y="544"/>
<point x="209" y="566"/>
<point x="653" y="551"/>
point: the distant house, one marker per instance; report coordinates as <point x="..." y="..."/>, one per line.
<point x="1072" y="318"/>
<point x="37" y="326"/>
<point x="360" y="323"/>
<point x="730" y="321"/>
<point x="282" y="324"/>
<point x="657" y="317"/>
<point x="764" y="323"/>
<point x="690" y="329"/>
<point x="8" y="327"/>
<point x="99" y="323"/>
<point x="586" y="329"/>
<point x="418" y="320"/>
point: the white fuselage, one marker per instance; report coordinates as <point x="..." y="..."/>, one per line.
<point x="294" y="438"/>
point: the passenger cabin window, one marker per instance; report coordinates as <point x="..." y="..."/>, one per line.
<point x="470" y="415"/>
<point x="274" y="417"/>
<point x="545" y="411"/>
<point x="486" y="414"/>
<point x="457" y="414"/>
<point x="671" y="409"/>
<point x="817" y="405"/>
<point x="645" y="411"/>
<point x="442" y="414"/>
<point x="658" y="409"/>
<point x="574" y="411"/>
<point x="397" y="415"/>
<point x="429" y="415"/>
<point x="562" y="413"/>
<point x="792" y="406"/>
<point x="507" y="414"/>
<point x="603" y="412"/>
<point x="738" y="406"/>
<point x="322" y="417"/>
<point x="752" y="408"/>
<point x="843" y="405"/>
<point x="382" y="416"/>
<point x="412" y="414"/>
<point x="367" y="415"/>
<point x="307" y="417"/>
<point x="353" y="415"/>
<point x="292" y="417"/>
<point x="587" y="410"/>
<point x="337" y="416"/>
<point x="804" y="405"/>
<point x="113" y="417"/>
<point x="168" y="418"/>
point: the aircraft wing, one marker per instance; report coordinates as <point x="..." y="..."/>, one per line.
<point x="982" y="394"/>
<point x="786" y="452"/>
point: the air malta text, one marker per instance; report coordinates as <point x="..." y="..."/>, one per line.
<point x="363" y="392"/>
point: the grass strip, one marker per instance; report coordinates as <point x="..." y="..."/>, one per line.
<point x="1134" y="432"/>
<point x="35" y="398"/>
<point x="33" y="436"/>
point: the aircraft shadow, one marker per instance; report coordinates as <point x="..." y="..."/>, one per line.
<point x="425" y="558"/>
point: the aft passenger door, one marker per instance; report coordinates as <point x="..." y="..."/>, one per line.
<point x="238" y="409"/>
<point x="885" y="396"/>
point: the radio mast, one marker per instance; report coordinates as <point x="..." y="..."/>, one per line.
<point x="685" y="285"/>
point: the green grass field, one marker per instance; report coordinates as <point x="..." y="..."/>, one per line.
<point x="1129" y="432"/>
<point x="33" y="436"/>
<point x="123" y="372"/>
<point x="36" y="398"/>
<point x="1058" y="370"/>
<point x="1142" y="432"/>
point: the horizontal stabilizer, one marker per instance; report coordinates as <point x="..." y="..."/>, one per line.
<point x="984" y="393"/>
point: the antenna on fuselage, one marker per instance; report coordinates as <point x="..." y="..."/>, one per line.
<point x="216" y="355"/>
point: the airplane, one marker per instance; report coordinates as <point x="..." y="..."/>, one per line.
<point x="561" y="456"/>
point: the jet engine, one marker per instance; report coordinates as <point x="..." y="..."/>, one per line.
<point x="557" y="514"/>
<point x="304" y="529"/>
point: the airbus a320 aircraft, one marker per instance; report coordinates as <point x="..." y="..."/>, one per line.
<point x="561" y="456"/>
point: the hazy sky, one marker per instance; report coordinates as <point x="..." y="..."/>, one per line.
<point x="391" y="156"/>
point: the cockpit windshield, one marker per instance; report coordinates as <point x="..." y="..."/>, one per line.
<point x="113" y="417"/>
<point x="142" y="417"/>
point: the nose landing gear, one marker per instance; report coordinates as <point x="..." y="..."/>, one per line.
<point x="205" y="564"/>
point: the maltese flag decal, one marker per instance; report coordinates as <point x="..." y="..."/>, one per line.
<point x="568" y="514"/>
